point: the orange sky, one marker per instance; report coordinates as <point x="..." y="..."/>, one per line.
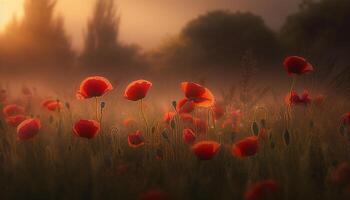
<point x="148" y="22"/>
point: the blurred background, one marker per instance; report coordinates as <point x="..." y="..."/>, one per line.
<point x="61" y="41"/>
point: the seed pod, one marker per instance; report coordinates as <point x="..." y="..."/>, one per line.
<point x="165" y="135"/>
<point x="342" y="130"/>
<point x="103" y="104"/>
<point x="255" y="128"/>
<point x="174" y="103"/>
<point x="172" y="124"/>
<point x="286" y="137"/>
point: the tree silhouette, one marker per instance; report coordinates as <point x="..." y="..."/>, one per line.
<point x="102" y="50"/>
<point x="38" y="42"/>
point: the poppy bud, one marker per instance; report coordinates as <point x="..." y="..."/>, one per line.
<point x="165" y="135"/>
<point x="103" y="104"/>
<point x="286" y="137"/>
<point x="255" y="128"/>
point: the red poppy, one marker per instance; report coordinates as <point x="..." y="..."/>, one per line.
<point x="136" y="139"/>
<point x="200" y="95"/>
<point x="168" y="116"/>
<point x="297" y="65"/>
<point x="206" y="150"/>
<point x="340" y="176"/>
<point x="266" y="189"/>
<point x="218" y="111"/>
<point x="188" y="136"/>
<point x="200" y="125"/>
<point x="28" y="129"/>
<point x="246" y="147"/>
<point x="294" y="99"/>
<point x="13" y="109"/>
<point x="52" y="105"/>
<point x="154" y="194"/>
<point x="86" y="128"/>
<point x="186" y="118"/>
<point x="15" y="120"/>
<point x="345" y="119"/>
<point x="185" y="106"/>
<point x="137" y="90"/>
<point x="94" y="86"/>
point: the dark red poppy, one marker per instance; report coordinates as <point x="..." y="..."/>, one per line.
<point x="267" y="189"/>
<point x="94" y="86"/>
<point x="185" y="106"/>
<point x="15" y="120"/>
<point x="340" y="176"/>
<point x="86" y="128"/>
<point x="246" y="147"/>
<point x="198" y="94"/>
<point x="154" y="194"/>
<point x="137" y="90"/>
<point x="52" y="105"/>
<point x="136" y="139"/>
<point x="294" y="99"/>
<point x="188" y="136"/>
<point x="186" y="118"/>
<point x="200" y="125"/>
<point x="206" y="150"/>
<point x="345" y="119"/>
<point x="28" y="129"/>
<point x="297" y="65"/>
<point x="218" y="111"/>
<point x="13" y="109"/>
<point x="168" y="116"/>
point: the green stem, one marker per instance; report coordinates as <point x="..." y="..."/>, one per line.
<point x="143" y="114"/>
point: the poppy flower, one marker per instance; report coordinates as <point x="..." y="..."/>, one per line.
<point x="188" y="136"/>
<point x="52" y="105"/>
<point x="154" y="194"/>
<point x="28" y="129"/>
<point x="136" y="139"/>
<point x="198" y="94"/>
<point x="294" y="99"/>
<point x="185" y="106"/>
<point x="345" y="119"/>
<point x="186" y="118"/>
<point x="13" y="109"/>
<point x="200" y="125"/>
<point x="137" y="90"/>
<point x="15" y="120"/>
<point x="340" y="176"/>
<point x="246" y="147"/>
<point x="206" y="150"/>
<point x="266" y="189"/>
<point x="218" y="111"/>
<point x="94" y="86"/>
<point x="86" y="128"/>
<point x="297" y="65"/>
<point x="168" y="116"/>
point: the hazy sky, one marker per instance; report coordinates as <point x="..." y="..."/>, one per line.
<point x="148" y="22"/>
